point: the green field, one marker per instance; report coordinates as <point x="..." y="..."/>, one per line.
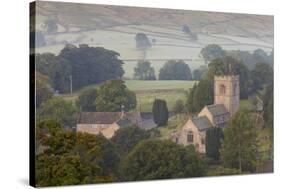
<point x="147" y="91"/>
<point x="141" y="85"/>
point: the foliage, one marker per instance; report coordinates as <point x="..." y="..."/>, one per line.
<point x="186" y="29"/>
<point x="43" y="89"/>
<point x="85" y="65"/>
<point x="160" y="112"/>
<point x="221" y="171"/>
<point x="144" y="71"/>
<point x="214" y="135"/>
<point x="261" y="75"/>
<point x="175" y="70"/>
<point x="268" y="105"/>
<point x="230" y="66"/>
<point x="112" y="95"/>
<point x="203" y="95"/>
<point x="161" y="159"/>
<point x="142" y="41"/>
<point x="199" y="73"/>
<point x="59" y="110"/>
<point x="178" y="107"/>
<point x="126" y="138"/>
<point x="72" y="158"/>
<point x="189" y="102"/>
<point x="239" y="147"/>
<point x="211" y="52"/>
<point x="50" y="26"/>
<point x="86" y="100"/>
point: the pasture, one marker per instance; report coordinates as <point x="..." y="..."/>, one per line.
<point x="147" y="91"/>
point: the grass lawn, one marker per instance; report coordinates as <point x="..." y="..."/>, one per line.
<point x="174" y="124"/>
<point x="147" y="91"/>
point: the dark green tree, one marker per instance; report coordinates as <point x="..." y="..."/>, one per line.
<point x="261" y="75"/>
<point x="161" y="159"/>
<point x="142" y="41"/>
<point x="178" y="107"/>
<point x="175" y="70"/>
<point x="211" y="52"/>
<point x="86" y="100"/>
<point x="43" y="88"/>
<point x="203" y="95"/>
<point x="112" y="94"/>
<point x="214" y="136"/>
<point x="144" y="71"/>
<point x="239" y="147"/>
<point x="126" y="138"/>
<point x="59" y="110"/>
<point x="189" y="102"/>
<point x="160" y="112"/>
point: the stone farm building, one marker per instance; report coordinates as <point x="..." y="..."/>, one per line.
<point x="226" y="103"/>
<point x="107" y="123"/>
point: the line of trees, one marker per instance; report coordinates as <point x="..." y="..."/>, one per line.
<point x="83" y="65"/>
<point x="64" y="157"/>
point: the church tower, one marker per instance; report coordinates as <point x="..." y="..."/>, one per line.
<point x="227" y="92"/>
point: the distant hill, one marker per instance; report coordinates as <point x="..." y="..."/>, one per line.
<point x="87" y="17"/>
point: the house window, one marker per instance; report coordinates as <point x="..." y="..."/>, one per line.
<point x="222" y="89"/>
<point x="190" y="137"/>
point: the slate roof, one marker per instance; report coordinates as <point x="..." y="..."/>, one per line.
<point x="217" y="109"/>
<point x="107" y="117"/>
<point x="202" y="123"/>
<point x="124" y="122"/>
<point x="98" y="117"/>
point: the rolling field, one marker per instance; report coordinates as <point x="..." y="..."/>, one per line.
<point x="147" y="91"/>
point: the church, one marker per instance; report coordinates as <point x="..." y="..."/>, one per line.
<point x="226" y="103"/>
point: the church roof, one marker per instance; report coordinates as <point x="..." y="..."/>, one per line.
<point x="217" y="109"/>
<point x="202" y="123"/>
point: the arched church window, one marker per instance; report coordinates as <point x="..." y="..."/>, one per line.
<point x="222" y="89"/>
<point x="190" y="137"/>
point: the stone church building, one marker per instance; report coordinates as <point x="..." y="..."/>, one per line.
<point x="226" y="103"/>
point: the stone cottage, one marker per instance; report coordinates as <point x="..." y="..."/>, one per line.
<point x="226" y="103"/>
<point x="107" y="123"/>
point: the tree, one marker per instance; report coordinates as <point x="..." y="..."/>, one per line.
<point x="189" y="102"/>
<point x="126" y="138"/>
<point x="186" y="29"/>
<point x="199" y="73"/>
<point x="230" y="66"/>
<point x="203" y="95"/>
<point x="214" y="135"/>
<point x="142" y="41"/>
<point x="175" y="70"/>
<point x="160" y="112"/>
<point x="85" y="65"/>
<point x="239" y="147"/>
<point x="86" y="100"/>
<point x="72" y="158"/>
<point x="178" y="107"/>
<point x="261" y="75"/>
<point x="59" y="110"/>
<point x="51" y="26"/>
<point x="144" y="71"/>
<point x="268" y="104"/>
<point x="43" y="89"/>
<point x="161" y="159"/>
<point x="113" y="94"/>
<point x="260" y="56"/>
<point x="211" y="52"/>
